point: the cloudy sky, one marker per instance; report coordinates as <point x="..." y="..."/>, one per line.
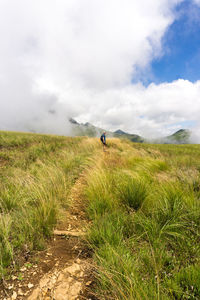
<point x="126" y="64"/>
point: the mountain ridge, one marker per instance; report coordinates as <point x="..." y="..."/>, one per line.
<point x="181" y="136"/>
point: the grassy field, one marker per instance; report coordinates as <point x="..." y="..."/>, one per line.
<point x="36" y="175"/>
<point x="143" y="201"/>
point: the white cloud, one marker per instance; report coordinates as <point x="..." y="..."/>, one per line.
<point x="153" y="111"/>
<point x="78" y="58"/>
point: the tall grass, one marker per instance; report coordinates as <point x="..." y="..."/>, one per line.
<point x="132" y="192"/>
<point x="34" y="188"/>
<point x="145" y="231"/>
<point x="143" y="200"/>
<point x="6" y="249"/>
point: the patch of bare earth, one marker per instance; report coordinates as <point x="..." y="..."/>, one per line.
<point x="63" y="271"/>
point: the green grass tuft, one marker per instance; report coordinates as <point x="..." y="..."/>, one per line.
<point x="132" y="191"/>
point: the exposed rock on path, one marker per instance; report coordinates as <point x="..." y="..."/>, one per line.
<point x="65" y="284"/>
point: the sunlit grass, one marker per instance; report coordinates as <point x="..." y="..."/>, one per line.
<point x="144" y="203"/>
<point x="37" y="173"/>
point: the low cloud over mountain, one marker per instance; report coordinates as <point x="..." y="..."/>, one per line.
<point x="85" y="59"/>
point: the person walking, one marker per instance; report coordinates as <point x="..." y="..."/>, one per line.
<point x="103" y="140"/>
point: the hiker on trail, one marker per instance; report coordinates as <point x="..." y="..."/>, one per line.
<point x="103" y="140"/>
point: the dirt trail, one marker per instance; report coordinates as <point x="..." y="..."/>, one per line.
<point x="61" y="272"/>
<point x="69" y="276"/>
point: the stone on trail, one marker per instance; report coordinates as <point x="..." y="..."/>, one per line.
<point x="14" y="296"/>
<point x="30" y="285"/>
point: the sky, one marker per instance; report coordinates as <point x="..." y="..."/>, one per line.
<point x="128" y="64"/>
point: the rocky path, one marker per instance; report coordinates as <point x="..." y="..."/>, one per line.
<point x="62" y="284"/>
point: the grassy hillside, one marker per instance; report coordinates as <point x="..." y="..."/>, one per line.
<point x="37" y="173"/>
<point x="143" y="201"/>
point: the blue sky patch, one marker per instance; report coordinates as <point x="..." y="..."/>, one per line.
<point x="181" y="46"/>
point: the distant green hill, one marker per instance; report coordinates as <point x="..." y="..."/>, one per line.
<point x="132" y="137"/>
<point x="181" y="136"/>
